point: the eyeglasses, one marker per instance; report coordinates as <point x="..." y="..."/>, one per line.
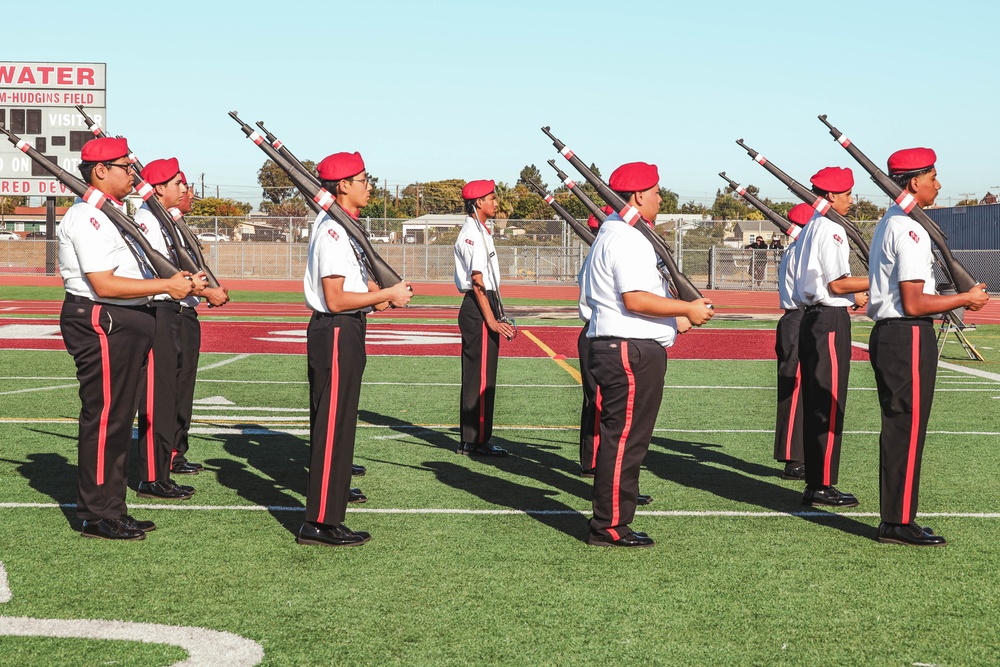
<point x="364" y="179"/>
<point x="127" y="166"/>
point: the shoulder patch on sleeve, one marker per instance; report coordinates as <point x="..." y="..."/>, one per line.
<point x="913" y="235"/>
<point x="470" y="241"/>
<point x="836" y="237"/>
<point x="95" y="223"/>
<point x="333" y="232"/>
<point x="142" y="226"/>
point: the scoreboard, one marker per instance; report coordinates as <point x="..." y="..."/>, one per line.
<point x="38" y="104"/>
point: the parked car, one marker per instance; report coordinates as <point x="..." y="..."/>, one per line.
<point x="210" y="237"/>
<point x="9" y="236"/>
<point x="35" y="235"/>
<point x="379" y="239"/>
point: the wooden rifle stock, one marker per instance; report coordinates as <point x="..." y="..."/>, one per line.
<point x="381" y="273"/>
<point x="821" y="204"/>
<point x="192" y="260"/>
<point x="781" y="223"/>
<point x="958" y="275"/>
<point x="161" y="266"/>
<point x="582" y="230"/>
<point x="685" y="288"/>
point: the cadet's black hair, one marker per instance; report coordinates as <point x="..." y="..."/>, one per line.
<point x="903" y="179"/>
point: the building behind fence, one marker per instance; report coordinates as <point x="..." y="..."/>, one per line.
<point x="528" y="251"/>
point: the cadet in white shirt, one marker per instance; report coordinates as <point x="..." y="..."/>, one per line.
<point x="108" y="328"/>
<point x="788" y="421"/>
<point x="632" y="322"/>
<point x="477" y="276"/>
<point x="903" y="347"/>
<point x="158" y="401"/>
<point x="340" y="292"/>
<point x="824" y="288"/>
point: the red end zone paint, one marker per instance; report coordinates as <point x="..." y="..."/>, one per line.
<point x="442" y="340"/>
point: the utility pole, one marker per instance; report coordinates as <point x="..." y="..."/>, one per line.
<point x="203" y="185"/>
<point x="418" y="200"/>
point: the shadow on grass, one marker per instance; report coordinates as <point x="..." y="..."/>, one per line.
<point x="275" y="468"/>
<point x="544" y="509"/>
<point x="52" y="475"/>
<point x="703" y="466"/>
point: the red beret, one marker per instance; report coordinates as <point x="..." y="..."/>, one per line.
<point x="184" y="179"/>
<point x="634" y="177"/>
<point x="911" y="159"/>
<point x="477" y="189"/>
<point x="593" y="222"/>
<point x="833" y="179"/>
<point x="104" y="150"/>
<point x="801" y="214"/>
<point x="160" y="171"/>
<point x="340" y="165"/>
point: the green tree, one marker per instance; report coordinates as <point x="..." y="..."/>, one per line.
<point x="670" y="201"/>
<point x="219" y="208"/>
<point x="692" y="207"/>
<point x="529" y="205"/>
<point x="9" y="203"/>
<point x="275" y="184"/>
<point x="730" y="206"/>
<point x="440" y="197"/>
<point x="506" y="198"/>
<point x="968" y="202"/>
<point x="531" y="173"/>
<point x="382" y="204"/>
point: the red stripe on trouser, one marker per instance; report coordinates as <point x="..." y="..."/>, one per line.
<point x="150" y="396"/>
<point x="911" y="455"/>
<point x="831" y="436"/>
<point x="102" y="433"/>
<point x="791" y="412"/>
<point x="616" y="487"/>
<point x="331" y="424"/>
<point x="484" y="353"/>
<point x="596" y="440"/>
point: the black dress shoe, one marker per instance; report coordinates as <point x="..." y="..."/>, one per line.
<point x="356" y="496"/>
<point x="331" y="536"/>
<point x="111" y="529"/>
<point x="794" y="470"/>
<point x="588" y="473"/>
<point x="144" y="526"/>
<point x="182" y="487"/>
<point x="481" y="449"/>
<point x="186" y="468"/>
<point x="828" y="496"/>
<point x="634" y="539"/>
<point x="161" y="489"/>
<point x="643" y="500"/>
<point x="358" y="471"/>
<point x="909" y="534"/>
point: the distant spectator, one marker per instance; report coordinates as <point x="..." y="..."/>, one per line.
<point x="758" y="259"/>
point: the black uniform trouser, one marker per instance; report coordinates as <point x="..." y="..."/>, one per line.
<point x="158" y="398"/>
<point x="480" y="349"/>
<point x="337" y="358"/>
<point x="590" y="413"/>
<point x="788" y="422"/>
<point x="629" y="373"/>
<point x="825" y="365"/>
<point x="187" y="373"/>
<point x="904" y="356"/>
<point x="109" y="345"/>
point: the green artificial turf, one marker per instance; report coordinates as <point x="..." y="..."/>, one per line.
<point x="747" y="584"/>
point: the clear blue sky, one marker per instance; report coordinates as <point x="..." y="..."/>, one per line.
<point x="448" y="89"/>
